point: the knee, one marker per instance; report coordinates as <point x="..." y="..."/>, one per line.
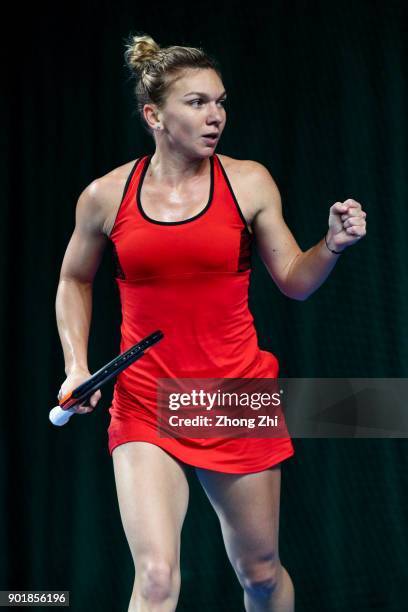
<point x="260" y="579"/>
<point x="158" y="580"/>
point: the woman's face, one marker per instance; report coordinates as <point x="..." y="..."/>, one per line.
<point x="193" y="116"/>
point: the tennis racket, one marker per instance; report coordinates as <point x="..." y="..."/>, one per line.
<point x="63" y="412"/>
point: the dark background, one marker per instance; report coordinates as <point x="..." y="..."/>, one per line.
<point x="317" y="93"/>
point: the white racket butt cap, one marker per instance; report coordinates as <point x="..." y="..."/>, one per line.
<point x="60" y="417"/>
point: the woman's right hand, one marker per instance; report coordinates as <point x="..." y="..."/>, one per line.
<point x="73" y="380"/>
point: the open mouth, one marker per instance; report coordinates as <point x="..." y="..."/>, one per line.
<point x="211" y="138"/>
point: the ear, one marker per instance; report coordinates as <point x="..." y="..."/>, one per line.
<point x="152" y="116"/>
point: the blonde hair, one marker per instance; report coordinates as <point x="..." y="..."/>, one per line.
<point x="156" y="68"/>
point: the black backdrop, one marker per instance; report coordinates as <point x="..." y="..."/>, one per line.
<point x="317" y="93"/>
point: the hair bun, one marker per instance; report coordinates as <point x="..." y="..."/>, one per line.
<point x="140" y="51"/>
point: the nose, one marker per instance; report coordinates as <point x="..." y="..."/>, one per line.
<point x="215" y="114"/>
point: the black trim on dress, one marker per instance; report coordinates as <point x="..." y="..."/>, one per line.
<point x="129" y="178"/>
<point x="245" y="251"/>
<point x="204" y="210"/>
<point x="234" y="198"/>
<point x="119" y="273"/>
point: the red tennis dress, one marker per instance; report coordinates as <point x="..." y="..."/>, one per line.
<point x="189" y="279"/>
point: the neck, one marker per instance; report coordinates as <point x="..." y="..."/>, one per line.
<point x="173" y="167"/>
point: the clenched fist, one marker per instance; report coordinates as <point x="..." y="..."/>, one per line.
<point x="347" y="225"/>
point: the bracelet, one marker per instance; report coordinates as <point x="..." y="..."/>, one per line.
<point x="331" y="250"/>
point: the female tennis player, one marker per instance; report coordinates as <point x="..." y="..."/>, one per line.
<point x="181" y="222"/>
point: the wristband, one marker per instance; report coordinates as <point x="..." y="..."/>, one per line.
<point x="331" y="250"/>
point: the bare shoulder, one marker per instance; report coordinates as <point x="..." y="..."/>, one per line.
<point x="102" y="197"/>
<point x="252" y="183"/>
<point x="247" y="170"/>
<point x="239" y="165"/>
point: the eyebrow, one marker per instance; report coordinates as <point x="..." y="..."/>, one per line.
<point x="203" y="95"/>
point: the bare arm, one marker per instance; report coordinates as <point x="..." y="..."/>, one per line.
<point x="74" y="294"/>
<point x="298" y="274"/>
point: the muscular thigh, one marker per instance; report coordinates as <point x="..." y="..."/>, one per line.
<point x="247" y="506"/>
<point x="153" y="493"/>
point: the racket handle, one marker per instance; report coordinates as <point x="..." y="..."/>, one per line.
<point x="59" y="417"/>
